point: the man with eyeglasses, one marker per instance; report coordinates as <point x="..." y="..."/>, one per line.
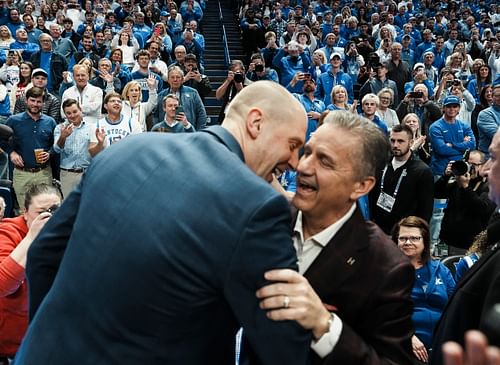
<point x="406" y="186"/>
<point x="113" y="127"/>
<point x="51" y="61"/>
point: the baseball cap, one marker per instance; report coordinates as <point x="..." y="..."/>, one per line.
<point x="335" y="54"/>
<point x="451" y="100"/>
<point x="418" y="65"/>
<point x="163" y="13"/>
<point x="39" y="71"/>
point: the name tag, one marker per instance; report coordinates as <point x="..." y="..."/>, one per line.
<point x="385" y="201"/>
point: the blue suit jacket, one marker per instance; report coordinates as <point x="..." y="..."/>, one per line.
<point x="165" y="243"/>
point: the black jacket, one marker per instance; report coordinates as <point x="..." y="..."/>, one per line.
<point x="415" y="195"/>
<point x="58" y="65"/>
<point x="467" y="213"/>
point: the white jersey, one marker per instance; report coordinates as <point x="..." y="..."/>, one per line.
<point x="116" y="131"/>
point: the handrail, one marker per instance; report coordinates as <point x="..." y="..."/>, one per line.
<point x="227" y="58"/>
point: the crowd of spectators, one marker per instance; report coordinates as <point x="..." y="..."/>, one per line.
<point x="88" y="74"/>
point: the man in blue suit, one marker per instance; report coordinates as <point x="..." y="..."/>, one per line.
<point x="156" y="257"/>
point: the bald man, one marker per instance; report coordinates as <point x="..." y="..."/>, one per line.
<point x="163" y="256"/>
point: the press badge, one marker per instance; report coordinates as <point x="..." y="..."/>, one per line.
<point x="385" y="201"/>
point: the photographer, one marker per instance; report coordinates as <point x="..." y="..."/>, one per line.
<point x="377" y="81"/>
<point x="257" y="70"/>
<point x="420" y="77"/>
<point x="353" y="61"/>
<point x="194" y="78"/>
<point x="465" y="186"/>
<point x="232" y="85"/>
<point x="418" y="102"/>
<point x="289" y="60"/>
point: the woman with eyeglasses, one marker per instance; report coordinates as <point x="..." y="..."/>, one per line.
<point x="433" y="285"/>
<point x="16" y="236"/>
<point x="388" y="115"/>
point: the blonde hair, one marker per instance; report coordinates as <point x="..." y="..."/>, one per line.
<point x="127" y="88"/>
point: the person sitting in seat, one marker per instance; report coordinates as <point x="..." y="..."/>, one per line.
<point x="433" y="285"/>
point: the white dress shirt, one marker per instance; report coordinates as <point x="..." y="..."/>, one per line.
<point x="307" y="251"/>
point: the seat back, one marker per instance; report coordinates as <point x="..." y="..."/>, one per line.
<point x="450" y="262"/>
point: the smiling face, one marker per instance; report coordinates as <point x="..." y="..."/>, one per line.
<point x="278" y="147"/>
<point x="339" y="96"/>
<point x="326" y="176"/>
<point x="113" y="106"/>
<point x="410" y="242"/>
<point x="25" y="70"/>
<point x="134" y="94"/>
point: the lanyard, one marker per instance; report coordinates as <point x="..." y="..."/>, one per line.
<point x="403" y="174"/>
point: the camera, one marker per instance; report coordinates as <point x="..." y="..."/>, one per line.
<point x="416" y="94"/>
<point x="239" y="78"/>
<point x="460" y="168"/>
<point x="259" y="68"/>
<point x="52" y="209"/>
<point x="194" y="69"/>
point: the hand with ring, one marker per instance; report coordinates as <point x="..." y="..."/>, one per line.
<point x="291" y="297"/>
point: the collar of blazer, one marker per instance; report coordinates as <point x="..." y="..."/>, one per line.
<point x="226" y="139"/>
<point x="342" y="254"/>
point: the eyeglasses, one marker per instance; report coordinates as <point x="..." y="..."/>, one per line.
<point x="385" y="99"/>
<point x="412" y="239"/>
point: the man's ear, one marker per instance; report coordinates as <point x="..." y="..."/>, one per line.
<point x="363" y="187"/>
<point x="254" y="122"/>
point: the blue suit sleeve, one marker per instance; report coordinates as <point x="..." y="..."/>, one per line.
<point x="265" y="244"/>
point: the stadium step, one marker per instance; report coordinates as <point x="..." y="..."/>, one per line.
<point x="215" y="66"/>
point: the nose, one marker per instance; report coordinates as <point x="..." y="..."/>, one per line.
<point x="304" y="165"/>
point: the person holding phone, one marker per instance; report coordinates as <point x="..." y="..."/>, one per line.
<point x="175" y="119"/>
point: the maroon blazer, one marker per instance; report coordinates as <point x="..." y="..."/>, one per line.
<point x="366" y="277"/>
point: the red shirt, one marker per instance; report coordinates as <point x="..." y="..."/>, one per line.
<point x="13" y="287"/>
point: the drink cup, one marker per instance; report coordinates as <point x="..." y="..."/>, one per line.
<point x="38" y="155"/>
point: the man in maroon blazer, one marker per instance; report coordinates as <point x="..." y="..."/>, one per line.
<point x="355" y="290"/>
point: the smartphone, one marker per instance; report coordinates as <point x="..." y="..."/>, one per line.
<point x="416" y="94"/>
<point x="306" y="75"/>
<point x="157" y="31"/>
<point x="179" y="110"/>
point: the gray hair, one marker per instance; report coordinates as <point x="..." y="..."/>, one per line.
<point x="374" y="146"/>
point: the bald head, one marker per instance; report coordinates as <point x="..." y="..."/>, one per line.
<point x="270" y="97"/>
<point x="270" y="126"/>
